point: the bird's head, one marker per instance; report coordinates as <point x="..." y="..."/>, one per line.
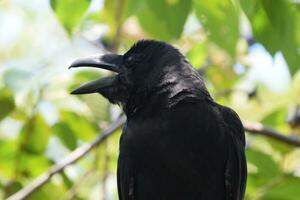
<point x="150" y="72"/>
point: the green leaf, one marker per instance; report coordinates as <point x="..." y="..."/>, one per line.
<point x="79" y="125"/>
<point x="262" y="170"/>
<point x="274" y="25"/>
<point x="26" y="161"/>
<point x="65" y="134"/>
<point x="221" y="77"/>
<point x="266" y="167"/>
<point x="70" y="12"/>
<point x="67" y="181"/>
<point x="197" y="55"/>
<point x="152" y="25"/>
<point x="48" y="192"/>
<point x="34" y="135"/>
<point x="221" y="22"/>
<point x="287" y="189"/>
<point x="281" y="147"/>
<point x="108" y="16"/>
<point x="115" y="13"/>
<point x="164" y="19"/>
<point x="8" y="151"/>
<point x="132" y="7"/>
<point x="277" y="120"/>
<point x="7" y="103"/>
<point x="298" y="25"/>
<point x="11" y="187"/>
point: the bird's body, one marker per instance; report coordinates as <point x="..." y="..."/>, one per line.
<point x="179" y="153"/>
<point x="177" y="144"/>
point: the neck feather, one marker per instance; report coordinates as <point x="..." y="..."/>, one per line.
<point x="167" y="93"/>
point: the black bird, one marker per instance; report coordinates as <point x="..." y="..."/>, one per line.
<point x="177" y="143"/>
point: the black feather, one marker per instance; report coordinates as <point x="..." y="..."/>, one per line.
<point x="177" y="144"/>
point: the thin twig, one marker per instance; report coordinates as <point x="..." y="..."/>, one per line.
<point x="73" y="157"/>
<point x="260" y="129"/>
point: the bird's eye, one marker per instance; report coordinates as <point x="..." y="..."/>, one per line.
<point x="129" y="61"/>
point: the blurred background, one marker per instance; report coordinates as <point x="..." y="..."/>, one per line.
<point x="247" y="51"/>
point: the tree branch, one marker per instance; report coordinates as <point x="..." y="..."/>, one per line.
<point x="260" y="129"/>
<point x="254" y="128"/>
<point x="72" y="158"/>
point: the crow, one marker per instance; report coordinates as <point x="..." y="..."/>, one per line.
<point x="177" y="142"/>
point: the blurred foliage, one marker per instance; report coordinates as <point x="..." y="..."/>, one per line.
<point x="69" y="9"/>
<point x="40" y="123"/>
<point x="275" y="31"/>
<point x="222" y="28"/>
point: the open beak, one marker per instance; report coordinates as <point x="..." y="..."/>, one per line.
<point x="112" y="62"/>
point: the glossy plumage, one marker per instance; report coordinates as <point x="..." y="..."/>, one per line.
<point x="177" y="144"/>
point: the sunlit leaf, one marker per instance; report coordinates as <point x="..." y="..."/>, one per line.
<point x="276" y="117"/>
<point x="221" y="22"/>
<point x="49" y="191"/>
<point x="80" y="126"/>
<point x="197" y="55"/>
<point x="277" y="32"/>
<point x="11" y="187"/>
<point x="222" y="78"/>
<point x="69" y="12"/>
<point x="266" y="167"/>
<point x="67" y="182"/>
<point x="168" y="17"/>
<point x="285" y="189"/>
<point x="34" y="135"/>
<point x="262" y="170"/>
<point x="114" y="142"/>
<point x="8" y="151"/>
<point x="7" y="103"/>
<point x="26" y="161"/>
<point x="281" y="146"/>
<point x="277" y="120"/>
<point x="116" y="12"/>
<point x="65" y="134"/>
<point x="164" y="19"/>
